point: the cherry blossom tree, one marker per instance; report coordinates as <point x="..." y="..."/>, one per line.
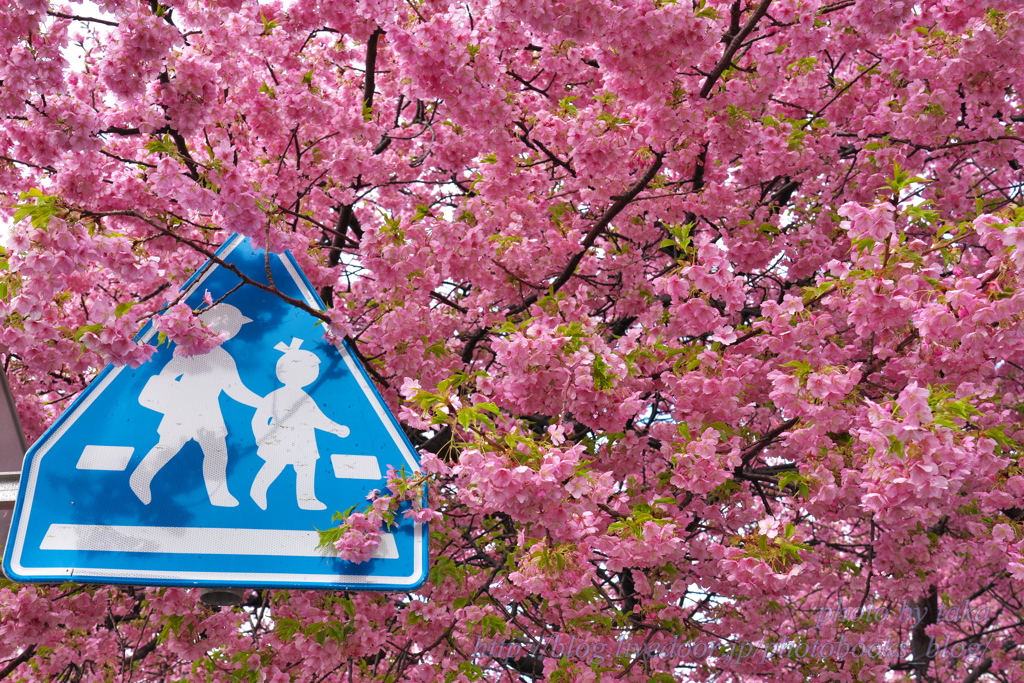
<point x="705" y="316"/>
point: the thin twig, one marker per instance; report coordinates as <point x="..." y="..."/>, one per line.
<point x="195" y="245"/>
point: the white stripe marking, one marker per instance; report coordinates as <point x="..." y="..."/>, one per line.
<point x="355" y="466"/>
<point x="111" y="458"/>
<point x="195" y="541"/>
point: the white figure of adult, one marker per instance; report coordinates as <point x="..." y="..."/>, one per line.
<point x="285" y="427"/>
<point x="187" y="391"/>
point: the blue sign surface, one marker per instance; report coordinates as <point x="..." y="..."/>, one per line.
<point x="218" y="469"/>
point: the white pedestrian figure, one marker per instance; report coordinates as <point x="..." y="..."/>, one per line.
<point x="187" y="392"/>
<point x="285" y="424"/>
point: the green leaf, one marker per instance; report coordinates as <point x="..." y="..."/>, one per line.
<point x="268" y="24"/>
<point x="86" y="329"/>
<point x="422" y="211"/>
<point x="123" y="308"/>
<point x="684" y="430"/>
<point x="444" y="567"/>
<point x="801" y="368"/>
<point x="1006" y="444"/>
<point x="492" y="625"/>
<point x="599" y="372"/>
<point x="703" y="11"/>
<point x="661" y="678"/>
<point x="161" y="145"/>
<point x="796" y="479"/>
<point x="328" y="537"/>
<point x="39" y="211"/>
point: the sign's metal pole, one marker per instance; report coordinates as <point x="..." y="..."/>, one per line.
<point x="221" y="597"/>
<point x="12" y="454"/>
<point x="12" y="438"/>
<point x="9" y="489"/>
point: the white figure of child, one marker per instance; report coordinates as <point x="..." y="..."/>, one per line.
<point x="187" y="391"/>
<point x="285" y="424"/>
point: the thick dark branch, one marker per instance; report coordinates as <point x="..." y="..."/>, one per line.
<point x="179" y="143"/>
<point x="733" y="48"/>
<point x="143" y="652"/>
<point x="773" y="470"/>
<point x="371" y="68"/>
<point x="474" y="339"/>
<point x="156" y="291"/>
<point x="755" y="448"/>
<point x="344" y="216"/>
<point x="118" y="130"/>
<point x="698" y="168"/>
<point x="50" y="169"/>
<point x="186" y="156"/>
<point x="17" y="661"/>
<point x="627" y="590"/>
<point x="920" y="641"/>
<point x="338" y="240"/>
<point x="621" y="202"/>
<point x="836" y="6"/>
<point x="366" y="362"/>
<point x="979" y="671"/>
<point x="781" y="198"/>
<point x="528" y="84"/>
<point x="764" y="498"/>
<point x="448" y="302"/>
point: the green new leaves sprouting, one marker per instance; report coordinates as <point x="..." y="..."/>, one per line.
<point x="39" y="211"/>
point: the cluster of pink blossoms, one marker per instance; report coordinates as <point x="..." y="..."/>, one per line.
<point x="183" y="328"/>
<point x="360" y="537"/>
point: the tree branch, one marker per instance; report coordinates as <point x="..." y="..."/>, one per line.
<point x="920" y="641"/>
<point x="733" y="47"/>
<point x="74" y="17"/>
<point x="371" y="68"/>
<point x="614" y="210"/>
<point x="143" y="651"/>
<point x="755" y="448"/>
<point x="301" y="305"/>
<point x="17" y="661"/>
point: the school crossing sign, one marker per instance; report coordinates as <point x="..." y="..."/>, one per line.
<point x="218" y="469"/>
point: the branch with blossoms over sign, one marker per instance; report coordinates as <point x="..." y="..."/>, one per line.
<point x="359" y="535"/>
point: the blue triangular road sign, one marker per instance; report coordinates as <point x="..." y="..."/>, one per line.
<point x="217" y="469"/>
